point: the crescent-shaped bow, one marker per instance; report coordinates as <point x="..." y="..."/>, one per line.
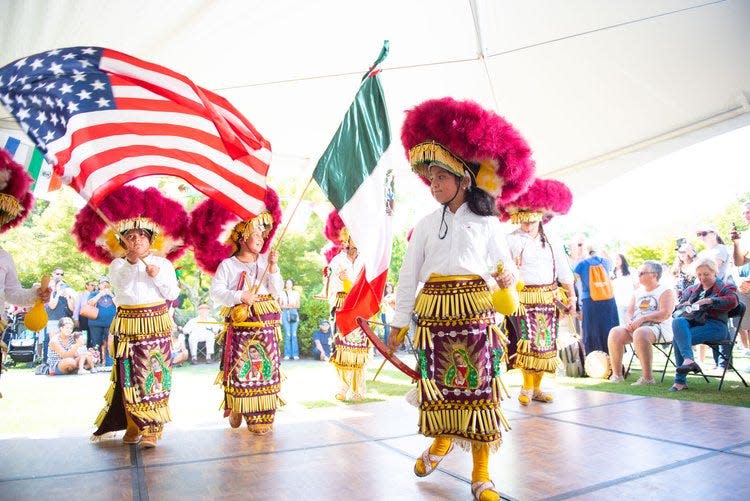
<point x="383" y="349"/>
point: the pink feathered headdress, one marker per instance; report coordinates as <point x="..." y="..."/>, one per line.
<point x="462" y="136"/>
<point x="215" y="231"/>
<point x="335" y="230"/>
<point x="544" y="199"/>
<point x="15" y="198"/>
<point x="129" y="208"/>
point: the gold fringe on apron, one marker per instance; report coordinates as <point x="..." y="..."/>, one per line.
<point x="458" y="309"/>
<point x="258" y="403"/>
<point x="527" y="357"/>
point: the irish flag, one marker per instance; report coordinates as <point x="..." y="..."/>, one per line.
<point x="354" y="174"/>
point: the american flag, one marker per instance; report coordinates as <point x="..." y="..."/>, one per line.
<point x="104" y="118"/>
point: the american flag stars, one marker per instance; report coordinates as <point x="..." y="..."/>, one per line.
<point x="46" y="90"/>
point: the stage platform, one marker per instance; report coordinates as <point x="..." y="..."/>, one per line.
<point x="586" y="445"/>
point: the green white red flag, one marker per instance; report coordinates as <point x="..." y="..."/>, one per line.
<point x="355" y="174"/>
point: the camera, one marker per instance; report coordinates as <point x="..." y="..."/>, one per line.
<point x="679" y="243"/>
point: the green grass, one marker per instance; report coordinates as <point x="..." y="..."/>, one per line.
<point x="317" y="404"/>
<point x="732" y="391"/>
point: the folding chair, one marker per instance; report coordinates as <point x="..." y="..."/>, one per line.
<point x="665" y="347"/>
<point x="736" y="315"/>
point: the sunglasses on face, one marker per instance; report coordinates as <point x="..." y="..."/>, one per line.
<point x="703" y="233"/>
<point x="641" y="273"/>
<point x="59" y="273"/>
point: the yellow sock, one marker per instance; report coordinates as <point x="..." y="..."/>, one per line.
<point x="528" y="379"/>
<point x="439" y="447"/>
<point x="132" y="429"/>
<point x="537" y="376"/>
<point x="480" y="472"/>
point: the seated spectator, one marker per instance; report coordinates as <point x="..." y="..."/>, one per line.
<point x="198" y="331"/>
<point x="63" y="355"/>
<point x="682" y="271"/>
<point x="648" y="320"/>
<point x="713" y="298"/>
<point x="322" y="341"/>
<point x="622" y="286"/>
<point x="179" y="350"/>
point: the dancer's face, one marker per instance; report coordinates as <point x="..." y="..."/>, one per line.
<point x="444" y="185"/>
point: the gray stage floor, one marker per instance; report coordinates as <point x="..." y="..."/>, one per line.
<point x="587" y="445"/>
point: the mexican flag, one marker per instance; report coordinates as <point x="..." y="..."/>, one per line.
<point x="354" y="173"/>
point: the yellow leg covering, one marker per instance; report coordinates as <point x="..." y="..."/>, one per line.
<point x="539" y="395"/>
<point x="529" y="380"/>
<point x="538" y="380"/>
<point x="480" y="472"/>
<point x="439" y="447"/>
<point x="132" y="432"/>
<point x="528" y="384"/>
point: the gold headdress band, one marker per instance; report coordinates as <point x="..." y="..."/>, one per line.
<point x="424" y="154"/>
<point x="483" y="174"/>
<point x="262" y="222"/>
<point x="526" y="216"/>
<point x="10" y="208"/>
<point x="137" y="223"/>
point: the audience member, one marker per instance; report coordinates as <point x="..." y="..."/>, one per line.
<point x="622" y="286"/>
<point x="322" y="341"/>
<point x="599" y="309"/>
<point x="82" y="322"/>
<point x="715" y="249"/>
<point x="741" y="253"/>
<point x="198" y="331"/>
<point x="387" y="309"/>
<point x="179" y="351"/>
<point x="682" y="271"/>
<point x="64" y="356"/>
<point x="289" y="300"/>
<point x="62" y="304"/>
<point x="104" y="300"/>
<point x="648" y="320"/>
<point x="714" y="299"/>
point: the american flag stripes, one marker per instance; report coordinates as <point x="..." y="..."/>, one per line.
<point x="103" y="118"/>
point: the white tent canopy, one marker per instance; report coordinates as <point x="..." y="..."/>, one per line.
<point x="596" y="86"/>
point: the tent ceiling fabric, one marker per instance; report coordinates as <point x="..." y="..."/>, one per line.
<point x="581" y="79"/>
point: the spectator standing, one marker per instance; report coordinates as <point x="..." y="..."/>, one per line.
<point x="741" y="254"/>
<point x="82" y="322"/>
<point x="715" y="249"/>
<point x="597" y="301"/>
<point x="387" y="310"/>
<point x="104" y="300"/>
<point x="648" y="320"/>
<point x="289" y="300"/>
<point x="197" y="330"/>
<point x="62" y="304"/>
<point x="322" y="341"/>
<point x="682" y="271"/>
<point x="622" y="286"/>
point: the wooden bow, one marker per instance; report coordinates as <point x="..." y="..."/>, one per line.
<point x="383" y="349"/>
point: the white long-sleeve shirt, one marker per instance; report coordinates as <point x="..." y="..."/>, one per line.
<point x="536" y="266"/>
<point x="133" y="285"/>
<point x="473" y="245"/>
<point x="224" y="284"/>
<point x="10" y="288"/>
<point x="341" y="264"/>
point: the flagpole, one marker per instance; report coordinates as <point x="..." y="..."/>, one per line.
<point x="283" y="230"/>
